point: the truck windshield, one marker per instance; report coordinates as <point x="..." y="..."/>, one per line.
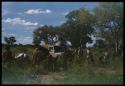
<point x="58" y="49"/>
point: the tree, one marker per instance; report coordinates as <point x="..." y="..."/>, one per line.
<point x="81" y="23"/>
<point x="109" y="17"/>
<point x="6" y="40"/>
<point x="10" y="40"/>
<point x="100" y="43"/>
<point x="49" y="34"/>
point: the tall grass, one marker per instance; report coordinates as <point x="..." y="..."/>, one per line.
<point x="83" y="73"/>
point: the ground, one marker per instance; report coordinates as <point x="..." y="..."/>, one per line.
<point x="84" y="73"/>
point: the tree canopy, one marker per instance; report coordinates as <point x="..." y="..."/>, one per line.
<point x="10" y="40"/>
<point x="105" y="20"/>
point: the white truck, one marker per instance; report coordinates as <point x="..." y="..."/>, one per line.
<point x="56" y="51"/>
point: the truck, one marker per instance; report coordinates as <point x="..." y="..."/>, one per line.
<point x="55" y="51"/>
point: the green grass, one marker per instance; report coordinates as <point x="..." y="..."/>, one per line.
<point x="90" y="75"/>
<point x="13" y="73"/>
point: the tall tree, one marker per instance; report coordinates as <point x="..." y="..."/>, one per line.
<point x="81" y="23"/>
<point x="47" y="33"/>
<point x="109" y="18"/>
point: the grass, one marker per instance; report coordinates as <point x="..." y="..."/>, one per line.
<point x="91" y="75"/>
<point x="14" y="73"/>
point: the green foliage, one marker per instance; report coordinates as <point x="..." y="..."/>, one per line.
<point x="79" y="22"/>
<point x="110" y="15"/>
<point x="91" y="75"/>
<point x="15" y="73"/>
<point x="46" y="33"/>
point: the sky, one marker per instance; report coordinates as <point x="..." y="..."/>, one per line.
<point x="19" y="19"/>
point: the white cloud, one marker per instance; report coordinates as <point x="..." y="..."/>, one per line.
<point x="11" y="34"/>
<point x="24" y="39"/>
<point x="19" y="21"/>
<point x="7" y="34"/>
<point x="31" y="28"/>
<point x="27" y="38"/>
<point x="38" y="11"/>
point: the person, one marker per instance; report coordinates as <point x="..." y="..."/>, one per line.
<point x="67" y="57"/>
<point x="80" y="54"/>
<point x="52" y="63"/>
<point x="104" y="59"/>
<point x="101" y="59"/>
<point x="39" y="54"/>
<point x="7" y="54"/>
<point x="90" y="56"/>
<point x="75" y="53"/>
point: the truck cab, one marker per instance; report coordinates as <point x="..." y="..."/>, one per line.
<point x="56" y="50"/>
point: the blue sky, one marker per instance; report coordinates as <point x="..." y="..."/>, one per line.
<point x="19" y="19"/>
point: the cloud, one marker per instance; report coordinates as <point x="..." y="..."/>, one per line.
<point x="37" y="11"/>
<point x="11" y="34"/>
<point x="27" y="38"/>
<point x="19" y="21"/>
<point x="8" y="33"/>
<point x="24" y="39"/>
<point x="4" y="32"/>
<point x="66" y="12"/>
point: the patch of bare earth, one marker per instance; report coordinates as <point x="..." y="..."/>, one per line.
<point x="106" y="70"/>
<point x="50" y="78"/>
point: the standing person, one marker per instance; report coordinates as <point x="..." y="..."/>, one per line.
<point x="74" y="54"/>
<point x="36" y="55"/>
<point x="80" y="54"/>
<point x="39" y="54"/>
<point x="52" y="63"/>
<point x="67" y="57"/>
<point x="106" y="56"/>
<point x="90" y="56"/>
<point x="104" y="59"/>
